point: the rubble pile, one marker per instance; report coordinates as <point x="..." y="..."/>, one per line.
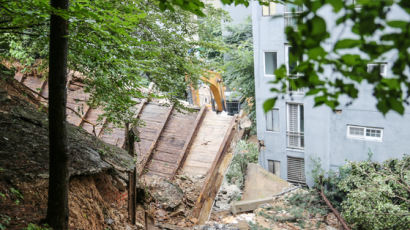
<point x="170" y="202"/>
<point x="273" y="203"/>
<point x="278" y="214"/>
<point x="226" y="195"/>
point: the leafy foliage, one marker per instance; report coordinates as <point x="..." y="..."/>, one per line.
<point x="300" y="207"/>
<point x="211" y="46"/>
<point x="374" y="36"/>
<point x="231" y="53"/>
<point x="4" y="221"/>
<point x="244" y="153"/>
<point x="118" y="46"/>
<point x="196" y="6"/>
<point x="32" y="226"/>
<point x="378" y="195"/>
<point x="239" y="69"/>
<point x="17" y="195"/>
<point x="372" y="195"/>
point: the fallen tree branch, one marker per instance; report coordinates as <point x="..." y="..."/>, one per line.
<point x="286" y="191"/>
<point x="337" y="214"/>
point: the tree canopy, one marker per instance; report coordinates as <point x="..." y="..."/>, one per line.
<point x="118" y="46"/>
<point x="238" y="64"/>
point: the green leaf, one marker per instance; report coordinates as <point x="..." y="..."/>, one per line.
<point x="337" y="5"/>
<point x="382" y="106"/>
<point x="351" y="59"/>
<point x="320" y="100"/>
<point x="319" y="26"/>
<point x="268" y="104"/>
<point x="347" y="44"/>
<point x="396" y="105"/>
<point x="313" y="92"/>
<point x="316" y="52"/>
<point x="398" y="24"/>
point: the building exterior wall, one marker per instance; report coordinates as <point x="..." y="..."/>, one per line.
<point x="325" y="132"/>
<point x="238" y="14"/>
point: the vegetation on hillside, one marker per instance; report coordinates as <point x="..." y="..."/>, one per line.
<point x="369" y="195"/>
<point x="238" y="67"/>
<point x="244" y="153"/>
<point x="231" y="53"/>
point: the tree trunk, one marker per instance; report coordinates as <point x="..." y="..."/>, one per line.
<point x="57" y="210"/>
<point x="132" y="178"/>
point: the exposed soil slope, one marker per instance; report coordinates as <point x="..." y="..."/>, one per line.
<point x="97" y="170"/>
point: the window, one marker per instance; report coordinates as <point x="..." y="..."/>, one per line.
<point x="270" y="63"/>
<point x="295" y="126"/>
<point x="233" y="107"/>
<point x="291" y="13"/>
<point x="379" y="68"/>
<point x="296" y="170"/>
<point x="272" y="120"/>
<point x="274" y="167"/>
<point x="364" y="133"/>
<point x="293" y="8"/>
<point x="291" y="20"/>
<point x="291" y="63"/>
<point x="269" y="10"/>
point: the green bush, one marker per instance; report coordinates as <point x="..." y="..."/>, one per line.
<point x="244" y="153"/>
<point x="378" y="195"/>
<point x="371" y="195"/>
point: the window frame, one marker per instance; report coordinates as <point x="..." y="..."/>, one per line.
<point x="286" y="9"/>
<point x="273" y="121"/>
<point x="264" y="63"/>
<point x="300" y="128"/>
<point x="379" y="65"/>
<point x="364" y="136"/>
<point x="287" y="15"/>
<point x="275" y="171"/>
<point x="301" y="178"/>
<point x="271" y="9"/>
<point x="300" y="90"/>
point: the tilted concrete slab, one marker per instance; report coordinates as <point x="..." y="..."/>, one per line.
<point x="260" y="183"/>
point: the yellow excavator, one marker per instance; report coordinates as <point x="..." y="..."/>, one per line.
<point x="215" y="83"/>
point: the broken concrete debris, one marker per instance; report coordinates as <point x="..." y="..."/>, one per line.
<point x="226" y="195"/>
<point x="248" y="205"/>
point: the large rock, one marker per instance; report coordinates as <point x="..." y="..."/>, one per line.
<point x="24" y="151"/>
<point x="260" y="183"/>
<point x="168" y="195"/>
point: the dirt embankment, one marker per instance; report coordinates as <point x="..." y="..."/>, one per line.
<point x="97" y="197"/>
<point x="95" y="203"/>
